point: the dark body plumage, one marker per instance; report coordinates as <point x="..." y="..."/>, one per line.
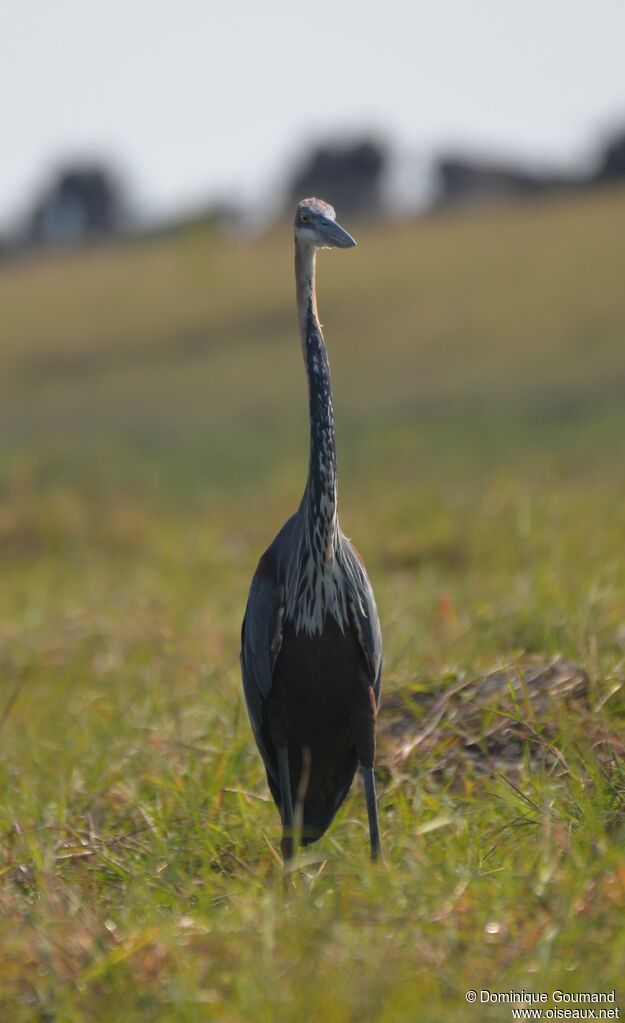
<point x="311" y="647"/>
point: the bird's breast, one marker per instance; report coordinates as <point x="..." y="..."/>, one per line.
<point x="318" y="592"/>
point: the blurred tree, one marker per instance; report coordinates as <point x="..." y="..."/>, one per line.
<point x="461" y="180"/>
<point x="612" y="160"/>
<point x="82" y="202"/>
<point x="349" y="177"/>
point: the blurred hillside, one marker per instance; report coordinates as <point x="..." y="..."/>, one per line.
<point x="174" y="363"/>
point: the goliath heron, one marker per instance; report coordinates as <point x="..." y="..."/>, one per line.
<point x="311" y="647"/>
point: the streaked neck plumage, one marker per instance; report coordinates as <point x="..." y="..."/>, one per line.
<point x="319" y="499"/>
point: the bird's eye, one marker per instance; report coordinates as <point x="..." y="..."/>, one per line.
<point x="303" y="218"/>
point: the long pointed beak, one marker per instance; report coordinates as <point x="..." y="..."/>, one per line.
<point x="336" y="235"/>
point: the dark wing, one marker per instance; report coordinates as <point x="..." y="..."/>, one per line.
<point x="362" y="610"/>
<point x="261" y="639"/>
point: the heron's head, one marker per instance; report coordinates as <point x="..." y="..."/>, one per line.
<point x="315" y="224"/>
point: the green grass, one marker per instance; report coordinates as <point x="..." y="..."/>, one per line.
<point x="153" y="439"/>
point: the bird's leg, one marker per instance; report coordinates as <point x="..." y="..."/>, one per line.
<point x="302" y="788"/>
<point x="278" y="731"/>
<point x="287" y="803"/>
<point x="364" y="726"/>
<point x="372" y="811"/>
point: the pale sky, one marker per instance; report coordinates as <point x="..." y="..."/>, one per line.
<point x="198" y="99"/>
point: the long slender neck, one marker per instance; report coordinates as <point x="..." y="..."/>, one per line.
<point x="320" y="495"/>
